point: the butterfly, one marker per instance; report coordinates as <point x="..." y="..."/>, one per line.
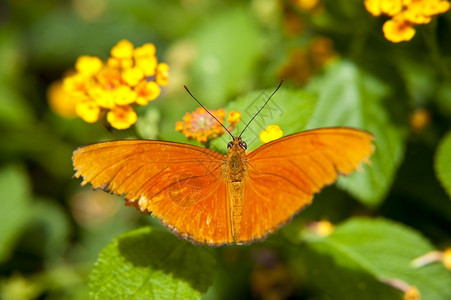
<point x="210" y="198"/>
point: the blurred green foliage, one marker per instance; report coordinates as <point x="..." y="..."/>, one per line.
<point x="230" y="54"/>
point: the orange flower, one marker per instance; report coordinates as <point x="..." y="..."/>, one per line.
<point x="199" y="125"/>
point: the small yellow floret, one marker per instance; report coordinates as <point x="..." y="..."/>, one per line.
<point x="88" y="110"/>
<point x="123" y="49"/>
<point x="147" y="91"/>
<point x="146" y="50"/>
<point x="132" y="76"/>
<point x="271" y="133"/>
<point x="121" y="117"/>
<point x="61" y="102"/>
<point x="179" y="126"/>
<point x="124" y="95"/>
<point x="162" y="74"/>
<point x="75" y="84"/>
<point x="88" y="65"/>
<point x="234" y="117"/>
<point x="398" y="30"/>
<point x="373" y="7"/>
<point x="103" y="98"/>
<point x="390" y="7"/>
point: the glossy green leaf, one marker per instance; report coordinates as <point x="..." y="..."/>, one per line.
<point x="443" y="163"/>
<point x="348" y="96"/>
<point x="380" y="249"/>
<point x="151" y="264"/>
<point x="14" y="206"/>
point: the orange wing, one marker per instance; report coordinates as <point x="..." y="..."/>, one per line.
<point x="283" y="175"/>
<point x="181" y="184"/>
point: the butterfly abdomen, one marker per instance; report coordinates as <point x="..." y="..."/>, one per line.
<point x="236" y="173"/>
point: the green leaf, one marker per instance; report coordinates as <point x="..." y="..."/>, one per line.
<point x="380" y="248"/>
<point x="443" y="162"/>
<point x="349" y="96"/>
<point x="289" y="108"/>
<point x="14" y="206"/>
<point x="227" y="47"/>
<point x="151" y="264"/>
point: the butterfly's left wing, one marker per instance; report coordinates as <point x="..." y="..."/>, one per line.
<point x="283" y="175"/>
<point x="181" y="184"/>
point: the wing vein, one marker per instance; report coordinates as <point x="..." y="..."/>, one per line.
<point x="197" y="176"/>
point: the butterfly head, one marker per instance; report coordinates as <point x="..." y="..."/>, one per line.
<point x="237" y="143"/>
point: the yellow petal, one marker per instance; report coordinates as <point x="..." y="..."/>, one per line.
<point x="271" y="133"/>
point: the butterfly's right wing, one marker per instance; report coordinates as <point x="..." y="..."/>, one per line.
<point x="181" y="184"/>
<point x="283" y="175"/>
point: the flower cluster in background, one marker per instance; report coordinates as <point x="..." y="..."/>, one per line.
<point x="304" y="62"/>
<point x="296" y="13"/>
<point x="405" y="14"/>
<point x="200" y="126"/>
<point x="130" y="76"/>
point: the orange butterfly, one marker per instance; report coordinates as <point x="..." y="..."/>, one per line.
<point x="206" y="197"/>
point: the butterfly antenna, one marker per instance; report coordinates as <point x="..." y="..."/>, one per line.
<point x="186" y="88"/>
<point x="280" y="84"/>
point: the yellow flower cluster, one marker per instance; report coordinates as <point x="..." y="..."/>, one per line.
<point x="130" y="76"/>
<point x="271" y="133"/>
<point x="304" y="62"/>
<point x="405" y="14"/>
<point x="200" y="126"/>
